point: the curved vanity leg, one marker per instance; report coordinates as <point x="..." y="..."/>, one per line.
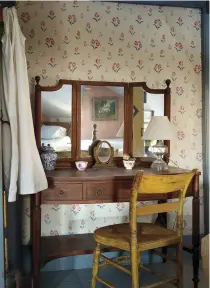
<point x="196" y="230"/>
<point x="36" y="238"/>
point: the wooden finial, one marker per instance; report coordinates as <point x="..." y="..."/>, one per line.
<point x="94" y="137"/>
<point x="168" y="82"/>
<point x="37" y="79"/>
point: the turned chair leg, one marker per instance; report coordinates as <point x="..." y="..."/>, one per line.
<point x="96" y="258"/>
<point x="179" y="266"/>
<point x="135" y="264"/>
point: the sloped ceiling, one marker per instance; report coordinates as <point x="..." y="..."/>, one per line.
<point x="58" y="104"/>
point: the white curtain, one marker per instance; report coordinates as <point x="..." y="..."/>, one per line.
<point x="23" y="171"/>
<point x="2" y="243"/>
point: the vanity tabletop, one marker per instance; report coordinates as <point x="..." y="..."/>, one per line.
<point x="106" y="173"/>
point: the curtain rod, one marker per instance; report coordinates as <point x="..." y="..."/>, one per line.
<point x="184" y="4"/>
<point x="4" y="4"/>
<point x="8" y="4"/>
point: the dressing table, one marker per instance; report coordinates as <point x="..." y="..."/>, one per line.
<point x="66" y="185"/>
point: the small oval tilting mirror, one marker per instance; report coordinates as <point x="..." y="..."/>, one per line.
<point x="103" y="154"/>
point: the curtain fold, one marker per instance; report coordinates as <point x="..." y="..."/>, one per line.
<point x="23" y="171"/>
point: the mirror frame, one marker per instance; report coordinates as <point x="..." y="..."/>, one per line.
<point x="62" y="162"/>
<point x="76" y="117"/>
<point x="126" y="103"/>
<point x="167" y="112"/>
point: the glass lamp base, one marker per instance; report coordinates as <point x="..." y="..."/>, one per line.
<point x="159" y="165"/>
<point x="159" y="149"/>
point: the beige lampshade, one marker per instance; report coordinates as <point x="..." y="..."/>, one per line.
<point x="120" y="133"/>
<point x="159" y="128"/>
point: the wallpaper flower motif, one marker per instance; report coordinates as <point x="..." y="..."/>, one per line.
<point x="117" y="42"/>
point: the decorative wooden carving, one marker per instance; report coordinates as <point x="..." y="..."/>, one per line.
<point x="94" y="137"/>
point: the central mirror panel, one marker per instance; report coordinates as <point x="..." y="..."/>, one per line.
<point x="145" y="105"/>
<point x="56" y="114"/>
<point x="102" y="107"/>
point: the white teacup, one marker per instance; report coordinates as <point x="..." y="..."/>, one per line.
<point x="128" y="164"/>
<point x="81" y="165"/>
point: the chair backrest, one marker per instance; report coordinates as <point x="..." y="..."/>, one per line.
<point x="159" y="184"/>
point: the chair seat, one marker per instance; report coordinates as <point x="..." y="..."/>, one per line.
<point x="150" y="236"/>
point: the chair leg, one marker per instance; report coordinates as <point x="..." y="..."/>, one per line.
<point x="95" y="264"/>
<point x="135" y="263"/>
<point x="179" y="266"/>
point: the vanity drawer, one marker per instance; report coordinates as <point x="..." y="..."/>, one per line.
<point x="124" y="190"/>
<point x="101" y="191"/>
<point x="63" y="193"/>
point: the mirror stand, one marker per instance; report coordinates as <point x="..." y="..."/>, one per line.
<point x="102" y="160"/>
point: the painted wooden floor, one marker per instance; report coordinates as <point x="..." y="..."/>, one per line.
<point x="82" y="278"/>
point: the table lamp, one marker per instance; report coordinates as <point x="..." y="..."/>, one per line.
<point x="160" y="129"/>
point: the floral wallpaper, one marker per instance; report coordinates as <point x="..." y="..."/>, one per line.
<point x="117" y="42"/>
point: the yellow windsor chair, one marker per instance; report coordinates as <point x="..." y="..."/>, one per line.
<point x="138" y="237"/>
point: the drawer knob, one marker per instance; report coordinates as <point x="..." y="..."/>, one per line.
<point x="99" y="192"/>
<point x="62" y="192"/>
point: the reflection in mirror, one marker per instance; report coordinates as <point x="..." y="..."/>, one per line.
<point x="145" y="105"/>
<point x="56" y="120"/>
<point x="103" y="106"/>
<point x="104" y="152"/>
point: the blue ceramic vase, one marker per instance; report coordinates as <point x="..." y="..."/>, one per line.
<point x="48" y="157"/>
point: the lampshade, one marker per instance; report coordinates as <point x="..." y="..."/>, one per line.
<point x="159" y="128"/>
<point x="120" y="133"/>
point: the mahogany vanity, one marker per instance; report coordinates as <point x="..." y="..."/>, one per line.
<point x="97" y="185"/>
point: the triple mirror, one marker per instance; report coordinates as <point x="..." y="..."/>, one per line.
<point x="72" y="115"/>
